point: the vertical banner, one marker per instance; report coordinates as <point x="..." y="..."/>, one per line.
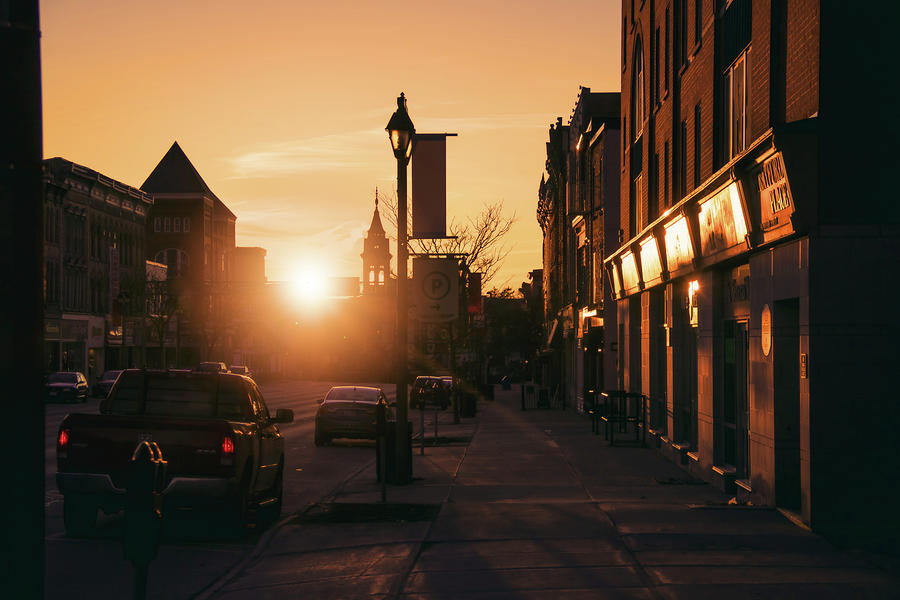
<point x="436" y="289"/>
<point x="473" y="286"/>
<point x="429" y="186"/>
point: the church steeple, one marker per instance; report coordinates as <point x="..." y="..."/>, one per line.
<point x="376" y="255"/>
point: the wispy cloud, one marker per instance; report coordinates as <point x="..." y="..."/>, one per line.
<point x="320" y="153"/>
<point x="352" y="149"/>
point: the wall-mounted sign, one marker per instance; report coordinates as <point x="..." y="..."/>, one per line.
<point x="776" y="204"/>
<point x="630" y="277"/>
<point x="722" y="223"/>
<point x="679" y="250"/>
<point x="436" y="284"/>
<point x="650" y="263"/>
<point x="766" y="324"/>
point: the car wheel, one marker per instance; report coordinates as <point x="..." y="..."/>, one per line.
<point x="79" y="516"/>
<point x="321" y="439"/>
<point x="270" y="513"/>
<point x="237" y="510"/>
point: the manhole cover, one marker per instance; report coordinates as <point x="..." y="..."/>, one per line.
<point x="369" y="513"/>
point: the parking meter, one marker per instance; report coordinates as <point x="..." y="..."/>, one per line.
<point x="143" y="504"/>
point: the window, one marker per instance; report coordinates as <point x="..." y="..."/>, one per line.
<point x="380" y="276"/>
<point x="697" y="146"/>
<point x="654" y="187"/>
<point x="635" y="220"/>
<point x="666" y="173"/>
<point x="682" y="32"/>
<point x="167" y="225"/>
<point x="187" y="224"/>
<point x="656" y="67"/>
<point x="736" y="93"/>
<point x="637" y="91"/>
<point x="371" y="275"/>
<point x="177" y="224"/>
<point x="682" y="160"/>
<point x="156" y="227"/>
<point x="666" y="46"/>
<point x="698" y="21"/>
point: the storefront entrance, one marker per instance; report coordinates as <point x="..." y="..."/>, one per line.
<point x="733" y="424"/>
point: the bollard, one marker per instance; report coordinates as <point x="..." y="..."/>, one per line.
<point x="143" y="511"/>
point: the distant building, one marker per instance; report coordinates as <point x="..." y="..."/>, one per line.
<point x="376" y="257"/>
<point x="192" y="232"/>
<point x="578" y="201"/>
<point x="94" y="249"/>
<point x="248" y="265"/>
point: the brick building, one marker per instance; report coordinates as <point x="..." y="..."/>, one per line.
<point x="747" y="304"/>
<point x="578" y="214"/>
<point x="93" y="258"/>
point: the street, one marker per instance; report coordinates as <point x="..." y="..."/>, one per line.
<point x="193" y="552"/>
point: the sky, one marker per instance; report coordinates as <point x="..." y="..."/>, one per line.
<point x="281" y="105"/>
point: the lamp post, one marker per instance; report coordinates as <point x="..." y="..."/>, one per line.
<point x="401" y="131"/>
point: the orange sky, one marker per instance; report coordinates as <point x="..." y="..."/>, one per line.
<point x="281" y="105"/>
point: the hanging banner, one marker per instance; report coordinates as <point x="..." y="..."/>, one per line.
<point x="474" y="293"/>
<point x="429" y="185"/>
<point x="436" y="289"/>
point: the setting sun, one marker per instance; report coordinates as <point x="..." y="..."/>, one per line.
<point x="310" y="284"/>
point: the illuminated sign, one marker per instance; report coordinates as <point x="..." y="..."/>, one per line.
<point x="630" y="277"/>
<point x="774" y="193"/>
<point x="722" y="223"/>
<point x="614" y="278"/>
<point x="650" y="264"/>
<point x="679" y="250"/>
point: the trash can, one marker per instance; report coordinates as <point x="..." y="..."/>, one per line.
<point x="468" y="406"/>
<point x="390" y="458"/>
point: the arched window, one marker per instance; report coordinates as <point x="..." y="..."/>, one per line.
<point x="380" y="276"/>
<point x="371" y="275"/>
<point x="175" y="259"/>
<point x="637" y="91"/>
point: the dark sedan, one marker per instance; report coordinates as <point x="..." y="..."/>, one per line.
<point x="349" y="412"/>
<point x="106" y="381"/>
<point x="66" y="386"/>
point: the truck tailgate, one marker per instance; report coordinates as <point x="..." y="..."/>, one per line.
<point x="105" y="444"/>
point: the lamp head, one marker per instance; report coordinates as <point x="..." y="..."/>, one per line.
<point x="401" y="130"/>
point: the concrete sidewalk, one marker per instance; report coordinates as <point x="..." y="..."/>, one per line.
<point x="531" y="505"/>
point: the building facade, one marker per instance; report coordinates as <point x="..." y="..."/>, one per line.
<point x="737" y="315"/>
<point x="192" y="232"/>
<point x="94" y="249"/>
<point x="578" y="215"/>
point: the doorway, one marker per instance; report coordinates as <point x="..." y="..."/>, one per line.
<point x="734" y="424"/>
<point x="786" y="348"/>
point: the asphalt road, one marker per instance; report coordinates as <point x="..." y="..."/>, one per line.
<point x="194" y="553"/>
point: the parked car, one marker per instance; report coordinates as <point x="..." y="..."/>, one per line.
<point x="429" y="390"/>
<point x="104" y="384"/>
<point x="349" y="412"/>
<point x="66" y="386"/>
<point x="241" y="370"/>
<point x="212" y="367"/>
<point x="223" y="449"/>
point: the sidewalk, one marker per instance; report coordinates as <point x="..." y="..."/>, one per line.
<point x="534" y="506"/>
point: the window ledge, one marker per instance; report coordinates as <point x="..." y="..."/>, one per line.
<point x="694" y="456"/>
<point x="744" y="484"/>
<point x="724" y="471"/>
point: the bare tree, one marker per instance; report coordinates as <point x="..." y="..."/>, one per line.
<point x="480" y="237"/>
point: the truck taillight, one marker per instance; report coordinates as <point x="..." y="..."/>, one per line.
<point x="227" y="450"/>
<point x="62" y="443"/>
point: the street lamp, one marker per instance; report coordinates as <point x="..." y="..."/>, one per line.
<point x="401" y="131"/>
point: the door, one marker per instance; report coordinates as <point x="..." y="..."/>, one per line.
<point x="786" y="349"/>
<point x="735" y="419"/>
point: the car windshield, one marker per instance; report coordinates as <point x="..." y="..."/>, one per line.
<point x="110" y="375"/>
<point x="62" y="378"/>
<point x="352" y="395"/>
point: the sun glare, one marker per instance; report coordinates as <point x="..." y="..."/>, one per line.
<point x="310" y="284"/>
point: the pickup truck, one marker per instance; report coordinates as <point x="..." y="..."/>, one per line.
<point x="224" y="450"/>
